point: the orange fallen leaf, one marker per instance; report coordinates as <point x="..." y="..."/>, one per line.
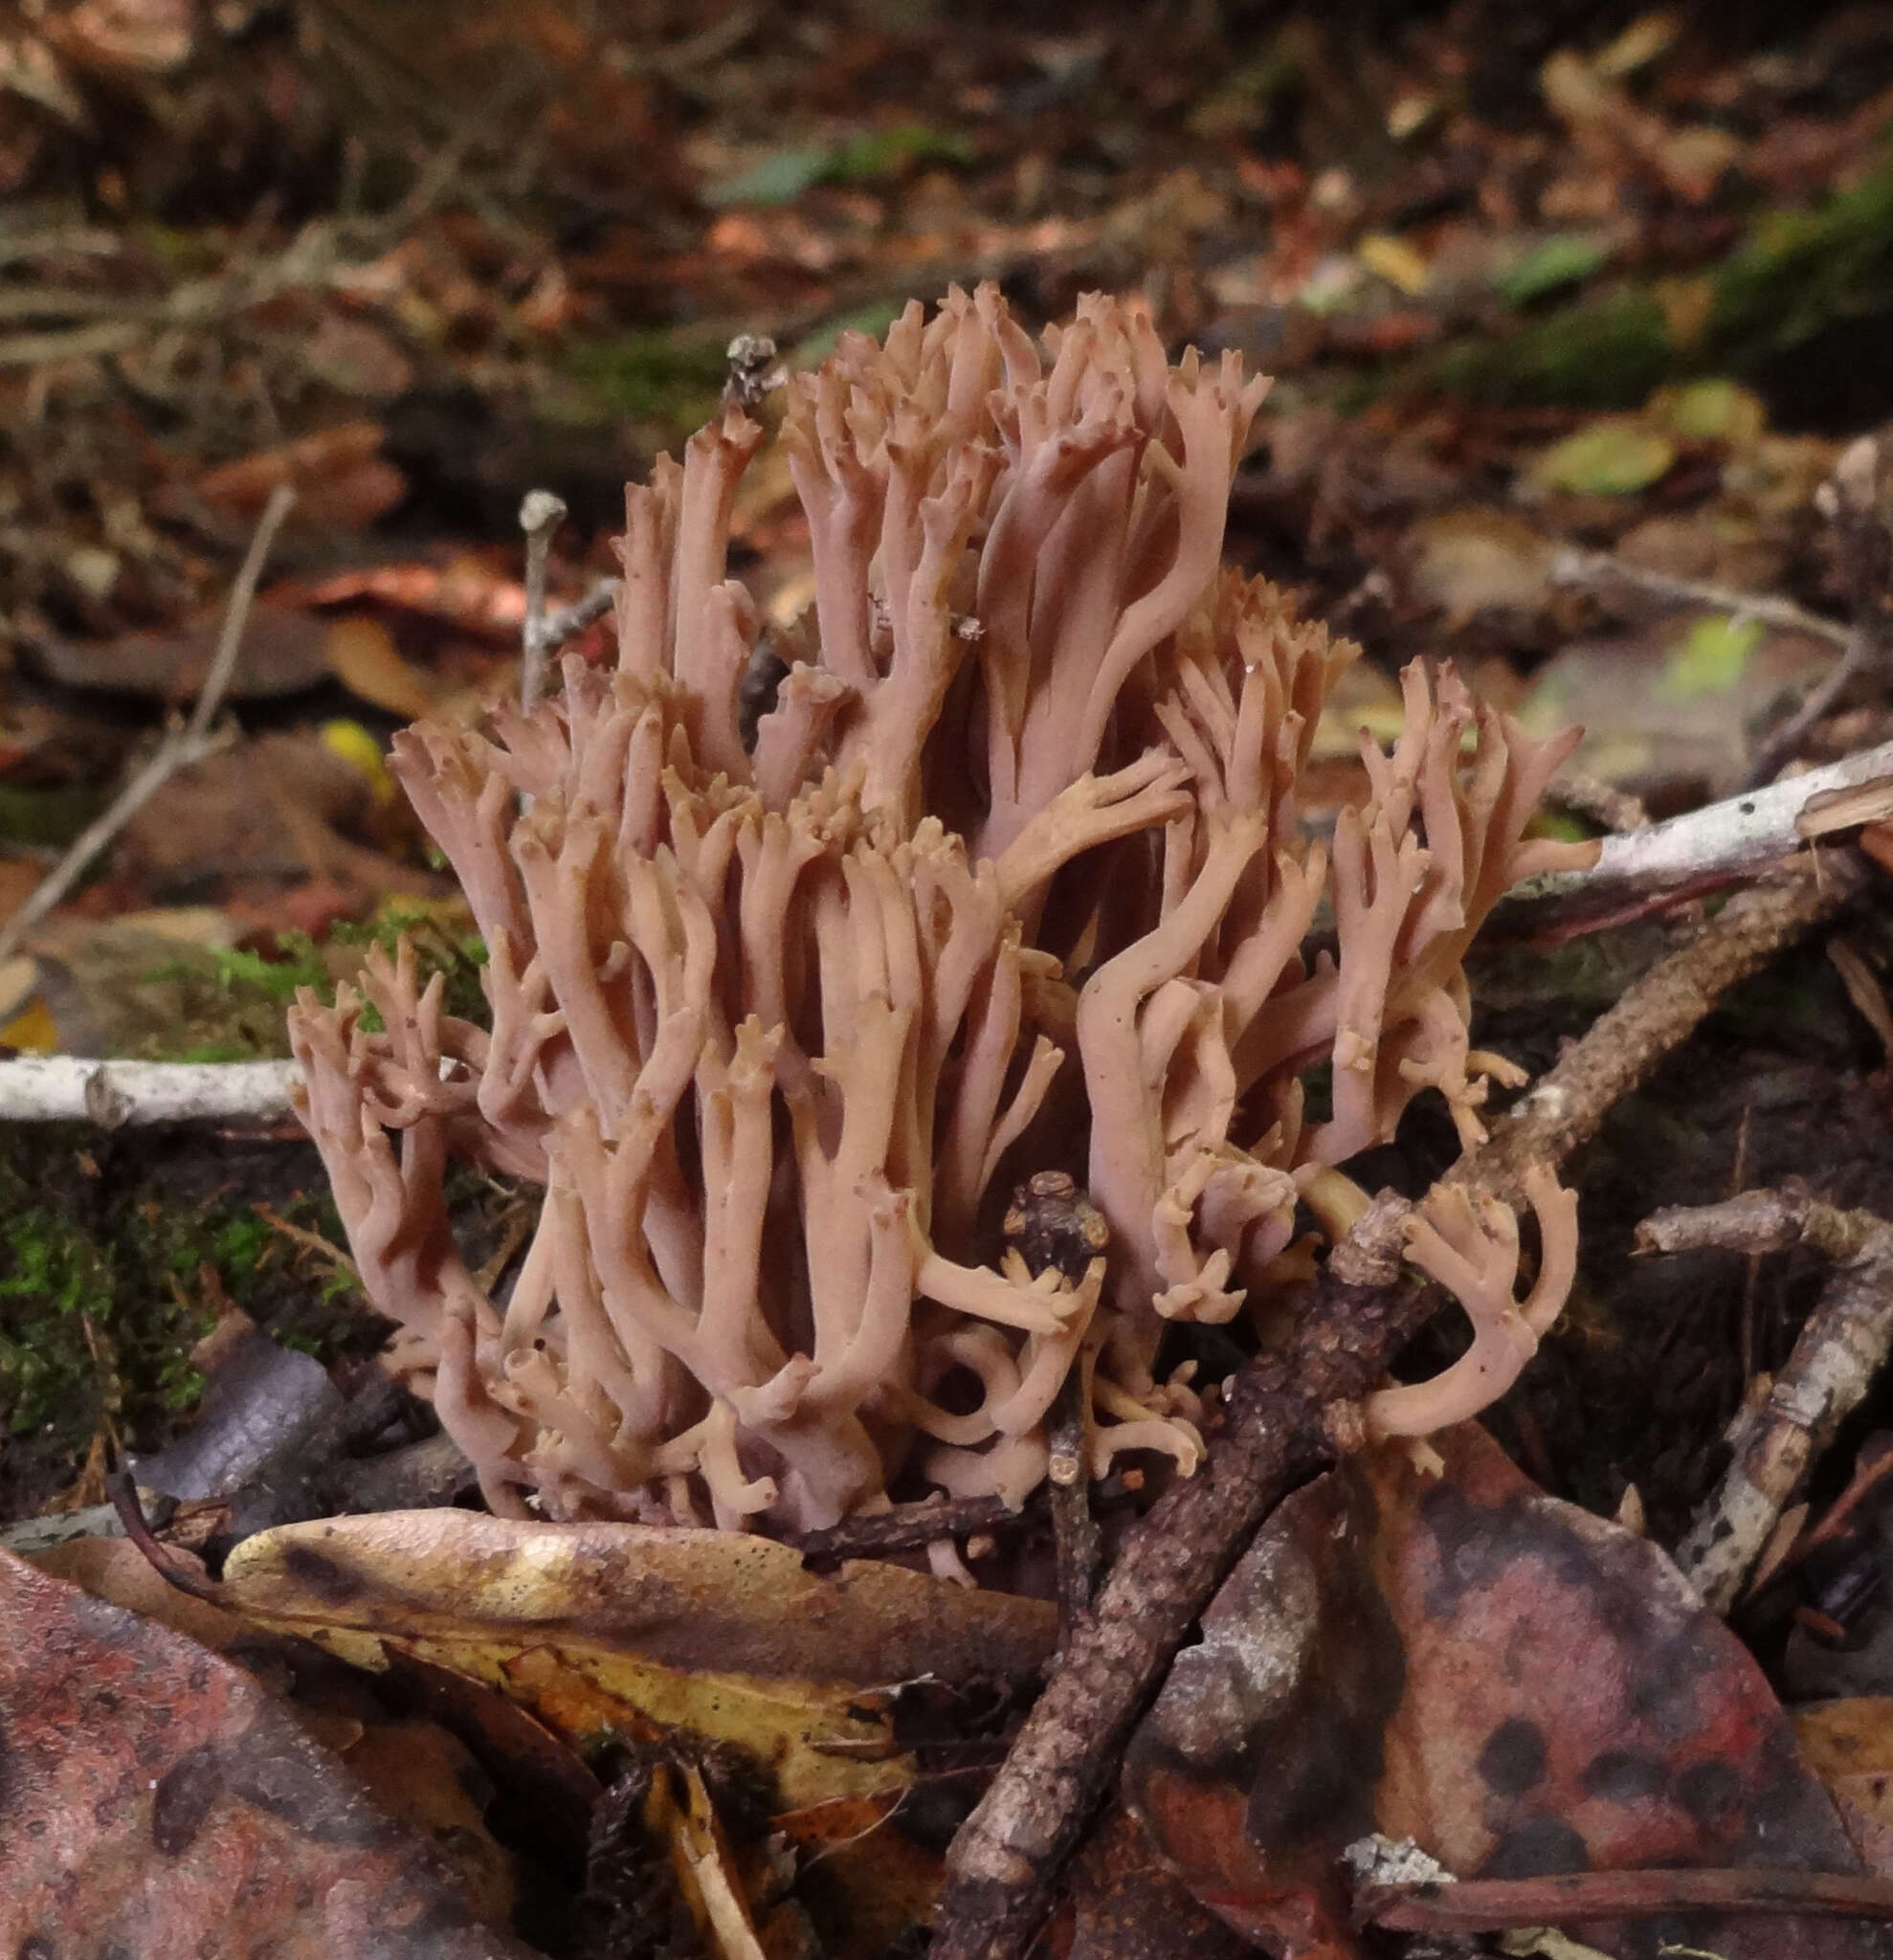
<point x="361" y="655"/>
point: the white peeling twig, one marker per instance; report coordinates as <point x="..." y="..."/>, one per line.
<point x="78" y="1088"/>
<point x="1844" y="1346"/>
<point x="181" y="746"/>
<point x="1720" y="840"/>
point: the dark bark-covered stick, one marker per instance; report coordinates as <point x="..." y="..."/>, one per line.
<point x="1004" y="1866"/>
<point x="1478" y="1905"/>
<point x="1077" y="1543"/>
<point x="1841" y="1349"/>
<point x="1053" y="1226"/>
<point x="904" y="1528"/>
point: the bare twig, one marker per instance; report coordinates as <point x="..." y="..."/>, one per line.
<point x="69" y="343"/>
<point x="1475" y="1905"/>
<point x="1004" y="1866"/>
<point x="180" y="747"/>
<point x="163" y="1560"/>
<point x="1781" y="742"/>
<point x="1616" y="810"/>
<point x="541" y="514"/>
<point x="562" y="622"/>
<point x="1843" y="1346"/>
<point x="1590" y="570"/>
<point x="237" y="614"/>
<point x="73" y="1088"/>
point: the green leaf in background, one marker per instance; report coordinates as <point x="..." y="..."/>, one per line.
<point x="875" y="318"/>
<point x="1615" y="457"/>
<point x="784" y="174"/>
<point x="1716" y="409"/>
<point x="1560" y="261"/>
<point x="657" y="374"/>
<point x="780" y="178"/>
<point x="1712" y="657"/>
<point x="886" y="153"/>
<point x="47" y="816"/>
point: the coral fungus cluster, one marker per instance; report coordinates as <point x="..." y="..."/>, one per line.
<point x="1007" y="879"/>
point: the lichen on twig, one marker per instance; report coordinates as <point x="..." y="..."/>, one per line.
<point x="1843" y="1346"/>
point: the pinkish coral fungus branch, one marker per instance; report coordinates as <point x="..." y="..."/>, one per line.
<point x="1008" y="878"/>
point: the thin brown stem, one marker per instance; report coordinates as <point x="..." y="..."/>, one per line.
<point x="1476" y="1905"/>
<point x="181" y="746"/>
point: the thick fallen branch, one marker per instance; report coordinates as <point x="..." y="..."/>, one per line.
<point x="1004" y="1866"/>
<point x="73" y="1088"/>
<point x="1841" y="1349"/>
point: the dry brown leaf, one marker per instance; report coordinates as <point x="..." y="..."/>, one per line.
<point x="1849" y="1746"/>
<point x="361" y="655"/>
<point x="283" y="651"/>
<point x="591" y="1627"/>
<point x="340" y="480"/>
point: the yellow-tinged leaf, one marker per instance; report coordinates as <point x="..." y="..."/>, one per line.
<point x="1395" y="261"/>
<point x="591" y="1627"/>
<point x="1615" y="457"/>
<point x="1713" y="656"/>
<point x="32" y="1032"/>
<point x="1646" y="37"/>
<point x="362" y="752"/>
<point x="1716" y="409"/>
<point x="1848" y="1744"/>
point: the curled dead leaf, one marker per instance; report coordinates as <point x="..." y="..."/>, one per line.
<point x="595" y="1627"/>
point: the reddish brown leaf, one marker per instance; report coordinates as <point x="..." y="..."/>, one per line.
<point x="340" y="482"/>
<point x="159" y="1802"/>
<point x="1438" y="1649"/>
